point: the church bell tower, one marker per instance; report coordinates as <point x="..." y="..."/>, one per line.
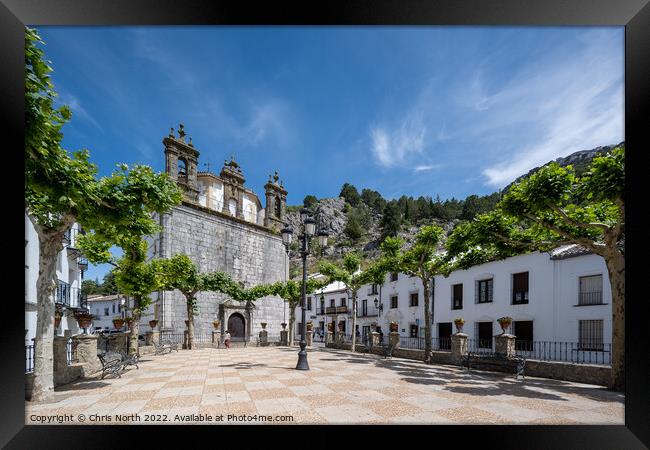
<point x="276" y="203"/>
<point x="181" y="160"/>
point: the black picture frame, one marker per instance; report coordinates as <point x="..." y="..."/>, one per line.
<point x="633" y="14"/>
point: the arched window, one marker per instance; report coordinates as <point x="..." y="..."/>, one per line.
<point x="278" y="206"/>
<point x="182" y="168"/>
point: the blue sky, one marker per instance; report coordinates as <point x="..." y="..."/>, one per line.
<point x="448" y="111"/>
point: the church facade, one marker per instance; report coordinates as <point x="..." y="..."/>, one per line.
<point x="221" y="226"/>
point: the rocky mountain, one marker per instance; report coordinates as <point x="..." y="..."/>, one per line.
<point x="579" y="160"/>
<point x="332" y="215"/>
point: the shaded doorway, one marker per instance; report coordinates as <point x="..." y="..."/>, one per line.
<point x="236" y="327"/>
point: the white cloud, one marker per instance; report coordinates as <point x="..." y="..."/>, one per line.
<point x="65" y="98"/>
<point x="268" y="121"/>
<point x="562" y="108"/>
<point x="400" y="145"/>
<point x="425" y="167"/>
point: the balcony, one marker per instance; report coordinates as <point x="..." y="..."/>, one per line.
<point x="62" y="295"/>
<point x="70" y="241"/>
<point x="590" y="298"/>
<point x="333" y="310"/>
<point x="370" y="311"/>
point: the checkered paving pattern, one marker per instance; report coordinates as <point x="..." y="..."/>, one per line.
<point x="260" y="385"/>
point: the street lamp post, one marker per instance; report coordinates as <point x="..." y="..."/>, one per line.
<point x="308" y="231"/>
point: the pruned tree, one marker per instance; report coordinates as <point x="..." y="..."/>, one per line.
<point x="350" y="273"/>
<point x="291" y="292"/>
<point x="554" y="207"/>
<point x="423" y="260"/>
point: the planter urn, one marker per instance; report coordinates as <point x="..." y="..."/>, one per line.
<point x="394" y="327"/>
<point x="263" y="325"/>
<point x="310" y="326"/>
<point x="215" y="324"/>
<point x="284" y="326"/>
<point x="153" y="323"/>
<point x="504" y="325"/>
<point x="459" y="326"/>
<point x="118" y="324"/>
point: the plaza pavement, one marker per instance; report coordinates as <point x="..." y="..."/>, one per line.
<point x="340" y="388"/>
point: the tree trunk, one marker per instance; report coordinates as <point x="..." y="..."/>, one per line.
<point x="427" y="321"/>
<point x="354" y="320"/>
<point x="49" y="245"/>
<point x="292" y="320"/>
<point x="135" y="327"/>
<point x="616" y="267"/>
<point x="190" y="324"/>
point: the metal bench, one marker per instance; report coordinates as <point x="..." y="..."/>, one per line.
<point x="164" y="346"/>
<point x="111" y="363"/>
<point x="495" y="361"/>
<point x="129" y="360"/>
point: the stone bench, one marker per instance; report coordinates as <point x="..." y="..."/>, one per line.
<point x="495" y="362"/>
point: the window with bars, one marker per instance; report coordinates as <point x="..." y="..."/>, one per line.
<point x="591" y="290"/>
<point x="414" y="329"/>
<point x="332" y="301"/>
<point x="590" y="335"/>
<point x="523" y="330"/>
<point x="106" y="311"/>
<point x="457" y="296"/>
<point x="393" y="301"/>
<point x="414" y="299"/>
<point x="394" y="276"/>
<point x="484" y="291"/>
<point x="308" y="303"/>
<point x="343" y="302"/>
<point x="484" y="332"/>
<point x="520" y="288"/>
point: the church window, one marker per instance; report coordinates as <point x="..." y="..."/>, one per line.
<point x="182" y="168"/>
<point x="278" y="206"/>
<point x="232" y="207"/>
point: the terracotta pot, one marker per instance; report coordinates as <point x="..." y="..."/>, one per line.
<point x="84" y="323"/>
<point x="310" y="326"/>
<point x="459" y="326"/>
<point x="394" y="327"/>
<point x="216" y="324"/>
<point x="504" y="325"/>
<point x="330" y="327"/>
<point x="263" y="325"/>
<point x="284" y="326"/>
<point x="153" y="323"/>
<point x="118" y="324"/>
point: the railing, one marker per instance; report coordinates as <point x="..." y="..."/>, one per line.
<point x="82" y="263"/>
<point x="590" y="298"/>
<point x="370" y="311"/>
<point x="29" y="358"/>
<point x="336" y="310"/>
<point x="441" y="344"/>
<point x="69" y="352"/>
<point x="595" y="352"/>
<point x="62" y="295"/>
<point x="412" y="343"/>
<point x="480" y="345"/>
<point x="70" y="238"/>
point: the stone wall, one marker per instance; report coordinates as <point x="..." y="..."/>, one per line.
<point x="247" y="252"/>
<point x="579" y="373"/>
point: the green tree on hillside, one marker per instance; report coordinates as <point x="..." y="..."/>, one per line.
<point x="309" y="201"/>
<point x="350" y="194"/>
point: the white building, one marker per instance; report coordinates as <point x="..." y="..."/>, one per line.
<point x="105" y="308"/>
<point x="69" y="272"/>
<point x="561" y="296"/>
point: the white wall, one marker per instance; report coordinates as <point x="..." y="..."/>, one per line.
<point x="250" y="208"/>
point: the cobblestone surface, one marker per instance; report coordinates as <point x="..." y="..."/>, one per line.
<point x="260" y="385"/>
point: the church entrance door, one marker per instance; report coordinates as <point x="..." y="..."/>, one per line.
<point x="236" y="327"/>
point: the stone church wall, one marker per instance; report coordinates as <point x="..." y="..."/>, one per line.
<point x="216" y="243"/>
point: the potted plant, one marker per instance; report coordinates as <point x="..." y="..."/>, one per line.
<point x="84" y="319"/>
<point x="263" y="325"/>
<point x="393" y="327"/>
<point x="284" y="326"/>
<point x="118" y="322"/>
<point x="129" y="321"/>
<point x="459" y="322"/>
<point x="330" y="327"/>
<point x="310" y="326"/>
<point x="153" y="323"/>
<point x="504" y="322"/>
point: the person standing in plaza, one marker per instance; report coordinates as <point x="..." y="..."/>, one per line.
<point x="227" y="339"/>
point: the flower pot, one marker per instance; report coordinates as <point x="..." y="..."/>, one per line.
<point x="263" y="325"/>
<point x="394" y="327"/>
<point x="504" y="325"/>
<point x="84" y="323"/>
<point x="459" y="326"/>
<point x="284" y="326"/>
<point x="153" y="323"/>
<point x="118" y="324"/>
<point x="330" y="327"/>
<point x="216" y="324"/>
<point x="310" y="326"/>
